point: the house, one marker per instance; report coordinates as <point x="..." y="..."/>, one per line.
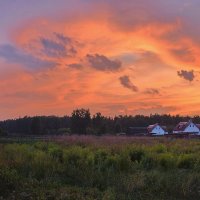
<point x="187" y="127"/>
<point x="156" y="129"/>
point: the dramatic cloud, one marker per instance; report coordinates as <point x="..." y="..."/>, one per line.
<point x="62" y="46"/>
<point x="102" y="63"/>
<point x="187" y="75"/>
<point x="146" y="39"/>
<point x="126" y="82"/>
<point x="17" y="56"/>
<point x="152" y="91"/>
<point x="75" y="65"/>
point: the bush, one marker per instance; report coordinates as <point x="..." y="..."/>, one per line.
<point x="112" y="163"/>
<point x="124" y="162"/>
<point x="43" y="146"/>
<point x="56" y="153"/>
<point x="9" y="181"/>
<point x="100" y="156"/>
<point x="149" y="161"/>
<point x="166" y="161"/>
<point x="19" y="157"/>
<point x="186" y="161"/>
<point x="42" y="165"/>
<point x="136" y="154"/>
<point x="160" y="148"/>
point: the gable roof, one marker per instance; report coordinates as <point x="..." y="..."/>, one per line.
<point x="151" y="127"/>
<point x="181" y="126"/>
<point x="198" y="125"/>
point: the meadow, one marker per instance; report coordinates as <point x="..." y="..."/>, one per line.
<point x="100" y="168"/>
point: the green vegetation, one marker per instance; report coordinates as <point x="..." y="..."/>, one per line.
<point x="157" y="170"/>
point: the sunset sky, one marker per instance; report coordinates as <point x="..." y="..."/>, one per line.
<point x="113" y="56"/>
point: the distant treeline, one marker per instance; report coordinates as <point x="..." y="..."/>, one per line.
<point x="82" y="122"/>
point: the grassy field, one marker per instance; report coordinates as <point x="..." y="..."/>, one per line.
<point x="101" y="168"/>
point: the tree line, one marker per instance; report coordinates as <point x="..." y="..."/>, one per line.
<point x="82" y="122"/>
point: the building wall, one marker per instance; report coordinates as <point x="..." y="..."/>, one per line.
<point x="158" y="131"/>
<point x="192" y="128"/>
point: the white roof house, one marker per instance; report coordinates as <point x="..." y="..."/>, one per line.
<point x="156" y="129"/>
<point x="187" y="127"/>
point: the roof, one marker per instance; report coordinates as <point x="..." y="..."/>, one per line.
<point x="198" y="125"/>
<point x="151" y="127"/>
<point x="181" y="126"/>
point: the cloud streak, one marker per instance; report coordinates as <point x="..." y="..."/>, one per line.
<point x="75" y="65"/>
<point x="126" y="82"/>
<point x="152" y="91"/>
<point x="15" y="55"/>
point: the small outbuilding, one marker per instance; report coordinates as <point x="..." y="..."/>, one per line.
<point x="187" y="127"/>
<point x="137" y="131"/>
<point x="156" y="130"/>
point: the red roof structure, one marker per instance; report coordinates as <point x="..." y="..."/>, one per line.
<point x="198" y="125"/>
<point x="151" y="127"/>
<point x="181" y="126"/>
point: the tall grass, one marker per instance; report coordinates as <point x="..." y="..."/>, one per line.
<point x="132" y="170"/>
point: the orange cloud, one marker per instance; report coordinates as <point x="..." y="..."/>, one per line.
<point x="83" y="75"/>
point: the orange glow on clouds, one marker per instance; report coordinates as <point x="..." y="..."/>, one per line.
<point x="150" y="55"/>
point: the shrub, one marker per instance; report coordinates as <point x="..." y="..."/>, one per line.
<point x="43" y="146"/>
<point x="100" y="156"/>
<point x="124" y="162"/>
<point x="160" y="148"/>
<point x="9" y="181"/>
<point x="149" y="161"/>
<point x="56" y="153"/>
<point x="136" y="154"/>
<point x="42" y="165"/>
<point x="186" y="161"/>
<point x="166" y="161"/>
<point x="19" y="157"/>
<point x="112" y="162"/>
